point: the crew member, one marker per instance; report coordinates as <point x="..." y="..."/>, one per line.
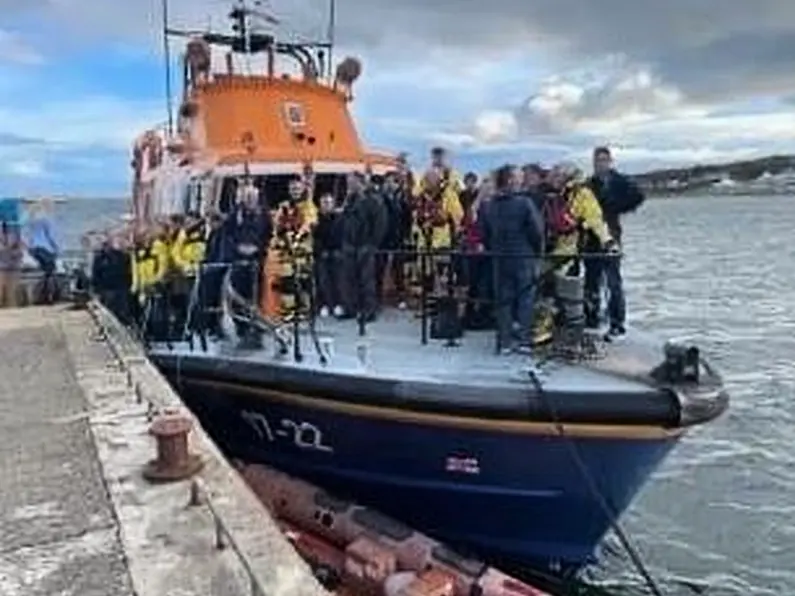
<point x="152" y="262"/>
<point x="512" y="229"/>
<point x="292" y="241"/>
<point x="391" y="261"/>
<point x="363" y="228"/>
<point x="617" y="195"/>
<point x="217" y="257"/>
<point x="571" y="214"/>
<point x="327" y="246"/>
<point x="187" y="253"/>
<point x="437" y="217"/>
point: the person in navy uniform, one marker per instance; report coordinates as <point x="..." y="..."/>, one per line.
<point x="617" y="195"/>
<point x="251" y="232"/>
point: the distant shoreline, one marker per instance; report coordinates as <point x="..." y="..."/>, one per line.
<point x="704" y="193"/>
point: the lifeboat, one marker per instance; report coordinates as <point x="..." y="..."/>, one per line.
<point x="528" y="465"/>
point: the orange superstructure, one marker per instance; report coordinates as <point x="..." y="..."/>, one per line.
<point x="236" y="119"/>
<point x="287" y="117"/>
<point x="284" y="120"/>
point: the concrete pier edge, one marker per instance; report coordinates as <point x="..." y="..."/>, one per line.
<point x="234" y="517"/>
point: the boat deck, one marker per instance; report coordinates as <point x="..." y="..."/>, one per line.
<point x="78" y="517"/>
<point x="391" y="351"/>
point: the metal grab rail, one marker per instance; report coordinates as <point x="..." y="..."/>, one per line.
<point x="247" y="312"/>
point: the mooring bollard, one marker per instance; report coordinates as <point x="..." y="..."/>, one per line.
<point x="174" y="461"/>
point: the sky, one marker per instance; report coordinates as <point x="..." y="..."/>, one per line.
<point x="665" y="83"/>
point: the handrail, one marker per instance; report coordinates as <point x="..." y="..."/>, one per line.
<point x="199" y="495"/>
<point x="248" y="312"/>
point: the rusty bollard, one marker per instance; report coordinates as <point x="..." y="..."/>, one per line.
<point x="174" y="461"/>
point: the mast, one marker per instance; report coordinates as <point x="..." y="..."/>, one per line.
<point x="332" y="23"/>
<point x="167" y="59"/>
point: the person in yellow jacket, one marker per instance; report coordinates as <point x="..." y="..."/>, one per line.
<point x="187" y="253"/>
<point x="584" y="212"/>
<point x="291" y="248"/>
<point x="150" y="266"/>
<point x="571" y="213"/>
<point x="437" y="207"/>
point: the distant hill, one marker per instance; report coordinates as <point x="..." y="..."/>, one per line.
<point x="697" y="176"/>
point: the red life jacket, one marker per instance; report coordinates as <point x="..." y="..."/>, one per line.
<point x="558" y="216"/>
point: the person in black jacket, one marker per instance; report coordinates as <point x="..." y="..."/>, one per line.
<point x="511" y="227"/>
<point x="397" y="237"/>
<point x="217" y="258"/>
<point x="251" y="235"/>
<point x="326" y="245"/>
<point x="617" y="195"/>
<point x="363" y="229"/>
<point x="111" y="277"/>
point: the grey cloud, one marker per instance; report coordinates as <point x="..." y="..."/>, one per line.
<point x="708" y="49"/>
<point x="12" y="140"/>
<point x="735" y="46"/>
<point x="705" y="47"/>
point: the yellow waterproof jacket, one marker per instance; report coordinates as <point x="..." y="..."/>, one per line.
<point x="150" y="265"/>
<point x="307" y="213"/>
<point x="587" y="212"/>
<point x="451" y="209"/>
<point x="187" y="252"/>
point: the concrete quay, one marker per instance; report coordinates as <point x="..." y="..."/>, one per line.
<point x="77" y="517"/>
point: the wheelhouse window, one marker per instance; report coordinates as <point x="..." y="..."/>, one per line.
<point x="294" y="114"/>
<point x="274" y="189"/>
<point x="192" y="198"/>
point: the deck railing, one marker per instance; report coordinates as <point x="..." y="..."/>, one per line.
<point x="438" y="285"/>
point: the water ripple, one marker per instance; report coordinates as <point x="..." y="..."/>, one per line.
<point x="717" y="517"/>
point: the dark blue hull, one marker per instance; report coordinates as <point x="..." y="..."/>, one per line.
<point x="509" y="491"/>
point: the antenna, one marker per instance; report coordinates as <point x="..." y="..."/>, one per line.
<point x="167" y="59"/>
<point x="332" y="23"/>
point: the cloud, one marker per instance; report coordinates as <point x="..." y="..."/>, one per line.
<point x="100" y="121"/>
<point x="14" y="50"/>
<point x="668" y="82"/>
<point x="705" y="48"/>
<point x="26" y="168"/>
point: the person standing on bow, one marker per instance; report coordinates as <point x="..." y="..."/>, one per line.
<point x="294" y="223"/>
<point x="617" y="196"/>
<point x="363" y="228"/>
<point x="392" y="260"/>
<point x="327" y="247"/>
<point x="572" y="215"/>
<point x="251" y="232"/>
<point x="512" y="230"/>
<point x="437" y="216"/>
<point x="217" y="258"/>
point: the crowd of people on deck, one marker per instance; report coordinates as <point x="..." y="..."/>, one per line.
<point x="492" y="244"/>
